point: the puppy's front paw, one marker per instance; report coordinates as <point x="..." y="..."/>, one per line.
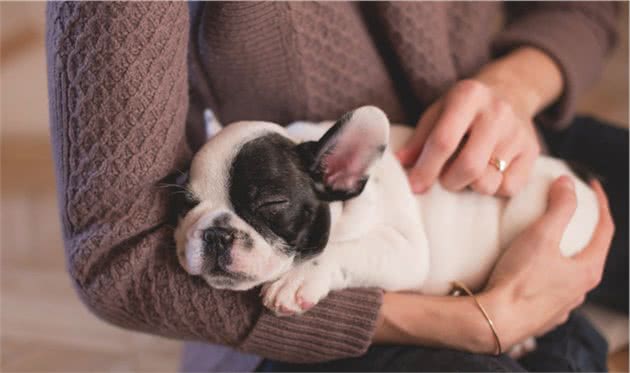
<point x="296" y="291"/>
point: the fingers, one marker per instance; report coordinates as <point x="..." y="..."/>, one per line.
<point x="408" y="154"/>
<point x="489" y="182"/>
<point x="561" y="204"/>
<point x="564" y="315"/>
<point x="515" y="176"/>
<point x="519" y="166"/>
<point x="492" y="179"/>
<point x="472" y="162"/>
<point x="578" y="302"/>
<point x="594" y="255"/>
<point x="458" y="113"/>
<point x="563" y="319"/>
<point x="494" y="129"/>
<point x="606" y="227"/>
<point x="559" y="318"/>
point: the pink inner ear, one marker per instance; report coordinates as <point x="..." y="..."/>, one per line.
<point x="347" y="164"/>
<point x="344" y="172"/>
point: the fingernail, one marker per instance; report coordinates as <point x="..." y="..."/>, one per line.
<point x="417" y="187"/>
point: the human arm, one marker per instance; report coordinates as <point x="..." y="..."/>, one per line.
<point x="118" y="104"/>
<point x="547" y="55"/>
<point x="527" y="293"/>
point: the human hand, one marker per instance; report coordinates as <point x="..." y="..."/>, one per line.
<point x="494" y="130"/>
<point x="494" y="110"/>
<point x="533" y="287"/>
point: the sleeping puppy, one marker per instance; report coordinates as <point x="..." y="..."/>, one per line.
<point x="318" y="207"/>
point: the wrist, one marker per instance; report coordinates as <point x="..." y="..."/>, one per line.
<point x="453" y="322"/>
<point x="506" y="313"/>
<point x="527" y="78"/>
<point x="392" y="325"/>
<point x="478" y="336"/>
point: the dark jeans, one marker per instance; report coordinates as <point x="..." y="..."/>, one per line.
<point x="574" y="346"/>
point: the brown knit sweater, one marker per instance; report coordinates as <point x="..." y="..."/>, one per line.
<point x="128" y="82"/>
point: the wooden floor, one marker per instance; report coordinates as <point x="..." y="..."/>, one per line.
<point x="43" y="325"/>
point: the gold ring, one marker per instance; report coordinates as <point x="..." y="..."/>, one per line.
<point x="500" y="164"/>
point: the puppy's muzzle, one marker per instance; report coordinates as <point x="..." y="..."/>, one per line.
<point x="217" y="244"/>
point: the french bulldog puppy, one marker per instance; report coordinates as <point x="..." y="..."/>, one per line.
<point x="316" y="207"/>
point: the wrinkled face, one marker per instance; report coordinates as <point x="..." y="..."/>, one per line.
<point x="256" y="203"/>
<point x="253" y="219"/>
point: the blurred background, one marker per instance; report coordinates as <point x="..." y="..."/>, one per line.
<point x="44" y="327"/>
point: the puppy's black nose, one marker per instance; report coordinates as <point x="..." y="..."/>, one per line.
<point x="218" y="239"/>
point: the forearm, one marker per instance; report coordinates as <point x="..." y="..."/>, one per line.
<point x="438" y="321"/>
<point x="527" y="78"/>
<point x="118" y="95"/>
<point x="118" y="103"/>
<point x="575" y="35"/>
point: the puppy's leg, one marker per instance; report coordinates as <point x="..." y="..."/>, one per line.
<point x="383" y="258"/>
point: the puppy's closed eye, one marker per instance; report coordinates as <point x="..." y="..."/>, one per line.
<point x="271" y="205"/>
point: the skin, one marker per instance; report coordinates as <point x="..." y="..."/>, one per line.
<point x="491" y="115"/>
<point x="523" y="296"/>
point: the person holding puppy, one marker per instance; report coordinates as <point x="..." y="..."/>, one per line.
<point x="129" y="81"/>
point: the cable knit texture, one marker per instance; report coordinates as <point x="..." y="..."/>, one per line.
<point x="128" y="83"/>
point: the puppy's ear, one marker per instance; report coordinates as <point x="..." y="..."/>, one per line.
<point x="340" y="161"/>
<point x="212" y="124"/>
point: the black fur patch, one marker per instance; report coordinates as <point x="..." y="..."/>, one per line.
<point x="271" y="189"/>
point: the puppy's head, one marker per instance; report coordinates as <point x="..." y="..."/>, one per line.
<point x="256" y="202"/>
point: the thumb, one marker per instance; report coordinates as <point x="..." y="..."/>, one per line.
<point x="561" y="204"/>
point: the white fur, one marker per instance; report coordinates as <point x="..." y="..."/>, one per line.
<point x="389" y="238"/>
<point x="386" y="237"/>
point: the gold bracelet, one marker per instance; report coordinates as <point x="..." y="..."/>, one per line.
<point x="459" y="286"/>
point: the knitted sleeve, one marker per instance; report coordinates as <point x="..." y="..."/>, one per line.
<point x="577" y="35"/>
<point x="118" y="90"/>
